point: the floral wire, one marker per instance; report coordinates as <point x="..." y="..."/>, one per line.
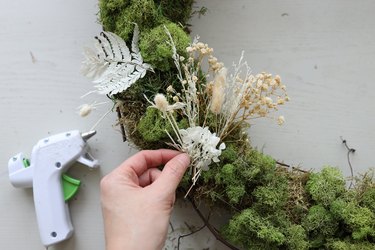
<point x="350" y="150"/>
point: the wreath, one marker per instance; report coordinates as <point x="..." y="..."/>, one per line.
<point x="171" y="91"/>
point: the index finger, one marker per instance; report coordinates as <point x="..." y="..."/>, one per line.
<point x="146" y="159"/>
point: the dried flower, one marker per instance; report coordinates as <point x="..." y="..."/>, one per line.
<point x="218" y="91"/>
<point x="85" y="109"/>
<point x="161" y="102"/>
<point x="230" y="99"/>
<point x="280" y="120"/>
<point x="171" y="89"/>
<point x="201" y="145"/>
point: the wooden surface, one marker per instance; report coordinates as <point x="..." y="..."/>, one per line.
<point x="324" y="51"/>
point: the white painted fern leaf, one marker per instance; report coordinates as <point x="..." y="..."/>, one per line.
<point x="112" y="66"/>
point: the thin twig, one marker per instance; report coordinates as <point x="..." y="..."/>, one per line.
<point x="213" y="230"/>
<point x="185" y="235"/>
<point x="119" y="115"/>
<point x="171" y="225"/>
<point x="288" y="166"/>
<point x="350" y="150"/>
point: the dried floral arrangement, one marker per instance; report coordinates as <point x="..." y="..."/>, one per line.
<point x="170" y="91"/>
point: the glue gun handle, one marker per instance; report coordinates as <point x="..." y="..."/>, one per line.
<point x="51" y="210"/>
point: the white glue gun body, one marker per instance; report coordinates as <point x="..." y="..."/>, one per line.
<point x="51" y="158"/>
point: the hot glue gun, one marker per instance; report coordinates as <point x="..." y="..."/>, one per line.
<point x="45" y="172"/>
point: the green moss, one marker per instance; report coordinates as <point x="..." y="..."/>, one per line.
<point x="226" y="174"/>
<point x="115" y="15"/>
<point x="320" y="224"/>
<point x="230" y="154"/>
<point x="368" y="198"/>
<point x="118" y="15"/>
<point x="296" y="238"/>
<point x="254" y="167"/>
<point x="253" y="231"/>
<point x="228" y="177"/>
<point x="178" y="11"/>
<point x="272" y="196"/>
<point x="346" y="245"/>
<point x="360" y="220"/>
<point x="152" y="126"/>
<point x="142" y="12"/>
<point x="109" y="12"/>
<point x="235" y="193"/>
<point x="155" y="47"/>
<point x="326" y="186"/>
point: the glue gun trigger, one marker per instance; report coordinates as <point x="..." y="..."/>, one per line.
<point x="88" y="160"/>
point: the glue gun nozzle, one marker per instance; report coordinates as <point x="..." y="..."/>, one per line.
<point x="88" y="135"/>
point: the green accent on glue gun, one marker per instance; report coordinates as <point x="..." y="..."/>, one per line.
<point x="26" y="162"/>
<point x="70" y="185"/>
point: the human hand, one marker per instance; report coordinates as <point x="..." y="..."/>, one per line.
<point x="137" y="199"/>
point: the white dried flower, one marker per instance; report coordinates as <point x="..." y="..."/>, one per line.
<point x="201" y="145"/>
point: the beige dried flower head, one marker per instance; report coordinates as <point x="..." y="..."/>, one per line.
<point x="280" y="101"/>
<point x="209" y="87"/>
<point x="277" y="79"/>
<point x="85" y="109"/>
<point x="161" y="102"/>
<point x="218" y="91"/>
<point x="170" y="89"/>
<point x="280" y="120"/>
<point x="189" y="49"/>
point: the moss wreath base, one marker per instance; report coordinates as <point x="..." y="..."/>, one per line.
<point x="271" y="205"/>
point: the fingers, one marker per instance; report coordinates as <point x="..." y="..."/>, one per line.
<point x="146" y="159"/>
<point x="172" y="174"/>
<point x="149" y="177"/>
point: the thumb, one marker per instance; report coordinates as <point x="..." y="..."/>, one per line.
<point x="172" y="173"/>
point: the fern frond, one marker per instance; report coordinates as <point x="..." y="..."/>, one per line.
<point x="112" y="66"/>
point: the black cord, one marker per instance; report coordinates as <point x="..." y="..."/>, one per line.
<point x="350" y="150"/>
